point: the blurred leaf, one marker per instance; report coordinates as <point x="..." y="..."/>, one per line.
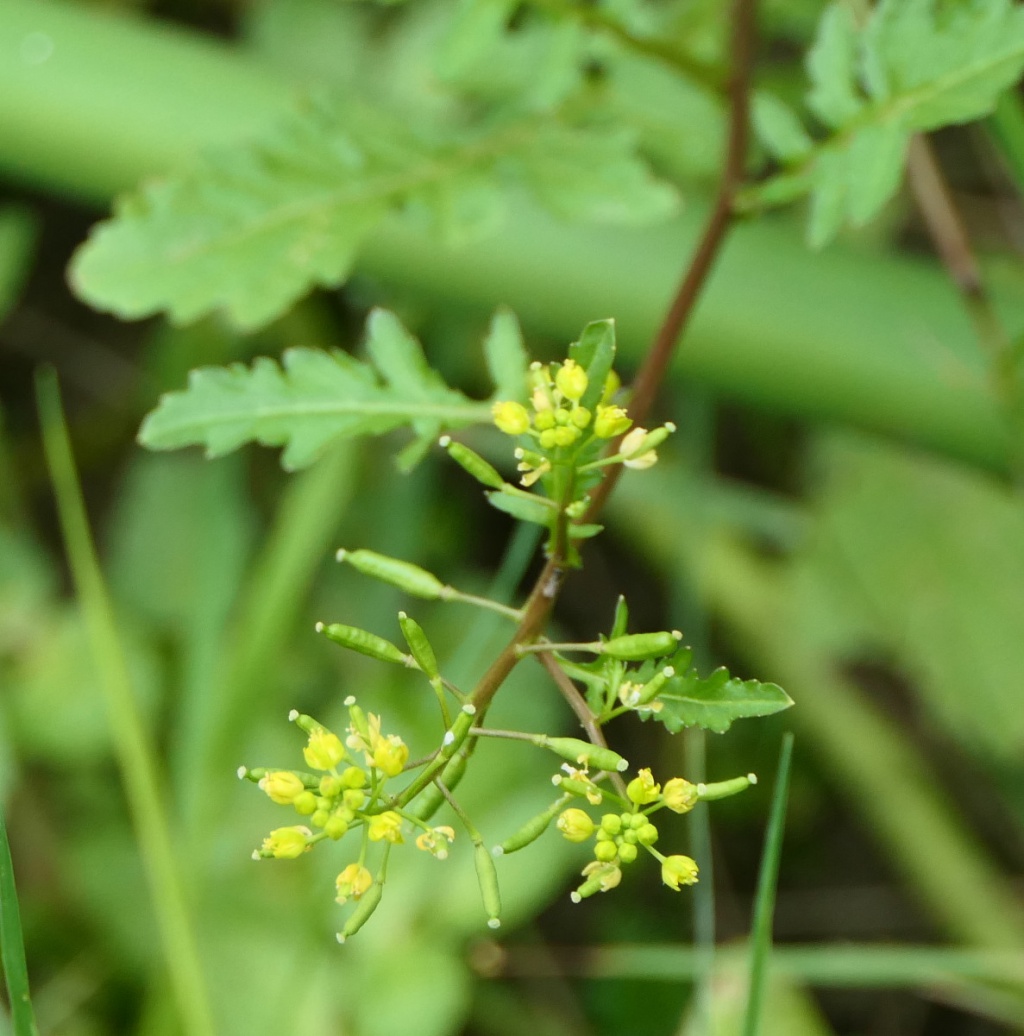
<point x="778" y="128"/>
<point x="913" y="66"/>
<point x="314" y="398"/>
<point x="506" y="356"/>
<point x="521" y="508"/>
<point x="252" y="229"/>
<point x="17" y="243"/>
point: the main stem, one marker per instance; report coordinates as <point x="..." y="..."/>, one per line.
<point x="546" y="589"/>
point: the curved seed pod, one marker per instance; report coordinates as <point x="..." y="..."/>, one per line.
<point x="574" y="750"/>
<point x="487" y="875"/>
<point x="723" y="789"/>
<point x="430" y="800"/>
<point x="370" y="901"/>
<point x="364" y="642"/>
<point x="652" y="688"/>
<point x="419" y="646"/>
<point x="403" y="574"/>
<point x="532" y="829"/>
<point x="472" y="463"/>
<point x="635" y="647"/>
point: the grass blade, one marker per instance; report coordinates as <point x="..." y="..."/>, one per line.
<point x="136" y="760"/>
<point x="764" y="905"/>
<point x="12" y="945"/>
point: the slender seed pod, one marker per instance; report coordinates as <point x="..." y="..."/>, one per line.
<point x="358" y="718"/>
<point x="652" y="688"/>
<point x="723" y="789"/>
<point x="487" y="875"/>
<point x="472" y="462"/>
<point x="458" y="732"/>
<point x="364" y="642"/>
<point x="419" y="646"/>
<point x="637" y="646"/>
<point x="366" y="906"/>
<point x="574" y="750"/>
<point x="653" y="439"/>
<point x="532" y="829"/>
<point x="403" y="574"/>
<point x="430" y="800"/>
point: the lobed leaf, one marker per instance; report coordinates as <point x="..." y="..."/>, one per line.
<point x="913" y="66"/>
<point x="252" y="229"/>
<point x="311" y="399"/>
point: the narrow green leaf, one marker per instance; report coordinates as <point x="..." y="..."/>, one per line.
<point x="767" y="881"/>
<point x="595" y="353"/>
<point x="779" y="129"/>
<point x="12" y="945"/>
<point x="521" y="508"/>
<point x="831" y="65"/>
<point x="314" y="398"/>
<point x="507" y="360"/>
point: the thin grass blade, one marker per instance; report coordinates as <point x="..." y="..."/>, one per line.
<point x="12" y="945"/>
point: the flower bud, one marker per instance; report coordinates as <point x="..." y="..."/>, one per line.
<point x="627" y="853"/>
<point x="571" y="380"/>
<point x="606" y="851"/>
<point x="647" y="835"/>
<point x="336" y="827"/>
<point x="566" y="436"/>
<point x="580" y="416"/>
<point x="678" y="870"/>
<point x="305" y="804"/>
<point x="285" y="843"/>
<point x="612" y="823"/>
<point x="353" y="777"/>
<point x="282" y="786"/>
<point x="511" y="418"/>
<point x="385" y="827"/>
<point x="324" y="750"/>
<point x="575" y="825"/>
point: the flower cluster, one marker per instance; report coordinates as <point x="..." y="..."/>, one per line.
<point x="560" y="425"/>
<point x="618" y="837"/>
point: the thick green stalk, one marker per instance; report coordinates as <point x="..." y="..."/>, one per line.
<point x="875" y="340"/>
<point x="136" y="758"/>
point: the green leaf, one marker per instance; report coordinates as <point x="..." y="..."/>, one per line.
<point x="521" y="508"/>
<point x="779" y="129"/>
<point x="507" y="360"/>
<point x="595" y="353"/>
<point x="913" y="66"/>
<point x="313" y="398"/>
<point x="252" y="229"/>
<point x="714" y="702"/>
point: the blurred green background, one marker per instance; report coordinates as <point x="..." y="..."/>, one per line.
<point x="835" y="515"/>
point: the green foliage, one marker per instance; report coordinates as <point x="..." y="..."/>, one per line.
<point x="714" y="702"/>
<point x="249" y="230"/>
<point x="910" y="67"/>
<point x="316" y="397"/>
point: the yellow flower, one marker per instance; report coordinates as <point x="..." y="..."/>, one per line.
<point x="678" y="870"/>
<point x="436" y="841"/>
<point x="609" y="874"/>
<point x="286" y="843"/>
<point x="610" y="422"/>
<point x="282" y="786"/>
<point x="390" y="754"/>
<point x="511" y="418"/>
<point x="385" y="827"/>
<point x="642" y="789"/>
<point x="324" y="750"/>
<point x="352" y="882"/>
<point x="679" y="795"/>
<point x="575" y="825"/>
<point x="571" y="380"/>
<point x="632" y="449"/>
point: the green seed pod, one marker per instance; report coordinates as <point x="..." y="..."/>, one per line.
<point x="575" y="787"/>
<point x="487" y="875"/>
<point x="635" y="647"/>
<point x="454" y="737"/>
<point x="430" y="800"/>
<point x="366" y="906"/>
<point x="723" y="789"/>
<point x="574" y="750"/>
<point x="653" y="687"/>
<point x="653" y="439"/>
<point x="403" y="574"/>
<point x="419" y="646"/>
<point x="364" y="642"/>
<point x="531" y="830"/>
<point x="473" y="463"/>
<point x="358" y="719"/>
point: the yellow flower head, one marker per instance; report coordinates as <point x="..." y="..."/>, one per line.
<point x="575" y="825"/>
<point x="352" y="882"/>
<point x="679" y="795"/>
<point x="385" y="827"/>
<point x="571" y="380"/>
<point x="282" y="786"/>
<point x="436" y="841"/>
<point x="324" y="750"/>
<point x="678" y="870"/>
<point x="610" y="422"/>
<point x="286" y="843"/>
<point x="511" y="418"/>
<point x="642" y="789"/>
<point x="390" y="754"/>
